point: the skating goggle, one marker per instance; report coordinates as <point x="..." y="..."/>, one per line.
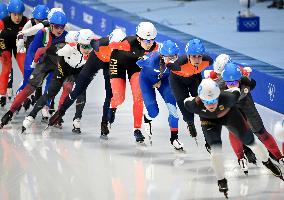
<point x="210" y="102"/>
<point x="171" y="58"/>
<point x="231" y="83"/>
<point x="148" y="41"/>
<point x="85" y="46"/>
<point x="58" y="26"/>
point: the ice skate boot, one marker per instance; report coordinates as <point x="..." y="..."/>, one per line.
<point x="249" y="155"/>
<point x="27" y="104"/>
<point x="281" y="160"/>
<point x="111" y="115"/>
<point x="3" y="100"/>
<point x="139" y="136"/>
<point x="56" y="118"/>
<point x="148" y="128"/>
<point x="45" y="114"/>
<point x="243" y="164"/>
<point x="59" y="124"/>
<point x="27" y="123"/>
<point x="10" y="93"/>
<point x="223" y="187"/>
<point x="177" y="144"/>
<point x="175" y="141"/>
<point x="104" y="130"/>
<point x="273" y="168"/>
<point x="6" y="118"/>
<point x="76" y="126"/>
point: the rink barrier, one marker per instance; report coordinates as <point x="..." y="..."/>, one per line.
<point x="102" y="19"/>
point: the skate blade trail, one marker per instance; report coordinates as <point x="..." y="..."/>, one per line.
<point x="103" y="137"/>
<point x="150" y="140"/>
<point x="45" y="130"/>
<point x="141" y="148"/>
<point x="196" y="142"/>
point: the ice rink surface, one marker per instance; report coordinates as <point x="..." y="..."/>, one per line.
<point x="60" y="165"/>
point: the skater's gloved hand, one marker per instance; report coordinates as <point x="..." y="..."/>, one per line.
<point x="246" y="71"/>
<point x="33" y="64"/>
<point x="207" y="73"/>
<point x="157" y="85"/>
<point x="213" y="75"/>
<point x="188" y="99"/>
<point x="20" y="42"/>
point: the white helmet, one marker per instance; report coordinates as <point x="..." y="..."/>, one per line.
<point x="146" y="30"/>
<point x="220" y="63"/>
<point x="53" y="10"/>
<point x="208" y="90"/>
<point x="85" y="36"/>
<point x="71" y="36"/>
<point x="279" y="131"/>
<point x="116" y="35"/>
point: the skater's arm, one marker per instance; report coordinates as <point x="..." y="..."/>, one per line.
<point x="251" y="83"/>
<point x="193" y="104"/>
<point x="230" y="96"/>
<point x="124" y="58"/>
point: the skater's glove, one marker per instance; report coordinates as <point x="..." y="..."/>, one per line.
<point x="207" y="73"/>
<point x="20" y="43"/>
<point x="188" y="99"/>
<point x="33" y="64"/>
<point x="246" y="71"/>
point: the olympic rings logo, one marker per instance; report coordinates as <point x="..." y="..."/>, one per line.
<point x="250" y="24"/>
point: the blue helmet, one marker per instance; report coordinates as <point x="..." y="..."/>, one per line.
<point x="168" y="48"/>
<point x="16" y="6"/>
<point x="40" y="12"/>
<point x="3" y="10"/>
<point x="194" y="47"/>
<point x="231" y="72"/>
<point x="58" y="18"/>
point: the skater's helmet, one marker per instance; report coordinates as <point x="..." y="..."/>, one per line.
<point x="116" y="35"/>
<point x="208" y="91"/>
<point x="195" y="47"/>
<point x="85" y="36"/>
<point x="220" y="62"/>
<point x="58" y="18"/>
<point x="40" y="12"/>
<point x="168" y="48"/>
<point x="72" y="36"/>
<point x="3" y="10"/>
<point x="231" y="72"/>
<point x="146" y="31"/>
<point x="16" y="6"/>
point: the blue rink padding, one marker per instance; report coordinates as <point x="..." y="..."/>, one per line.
<point x="102" y="19"/>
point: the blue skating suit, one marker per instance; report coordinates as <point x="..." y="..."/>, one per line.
<point x="150" y="75"/>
